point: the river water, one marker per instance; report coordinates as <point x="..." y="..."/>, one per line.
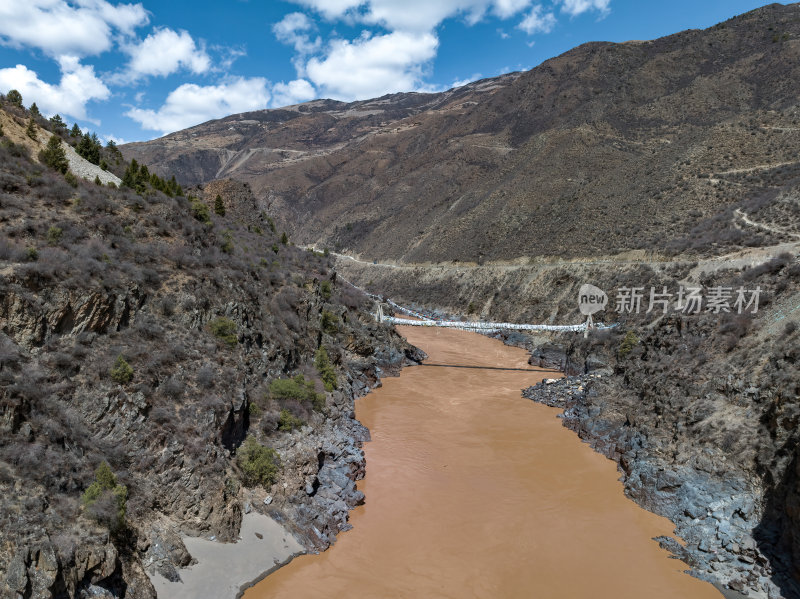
<point x="473" y="491"/>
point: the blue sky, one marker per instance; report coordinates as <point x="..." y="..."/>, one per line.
<point x="137" y="70"/>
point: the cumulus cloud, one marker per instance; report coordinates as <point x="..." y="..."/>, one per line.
<point x="331" y="9"/>
<point x="412" y="15"/>
<point x="164" y="52"/>
<point x="191" y="104"/>
<point x="293" y="30"/>
<point x="377" y="64"/>
<point x="466" y="80"/>
<point x="372" y="65"/>
<point x="117" y="140"/>
<point x="227" y="55"/>
<point x="58" y="27"/>
<point x="125" y="17"/>
<point x="294" y="92"/>
<point x="578" y="7"/>
<point x="508" y="8"/>
<point x="78" y="86"/>
<point x="537" y="21"/>
<point x="421" y="15"/>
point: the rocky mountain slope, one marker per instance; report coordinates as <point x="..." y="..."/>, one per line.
<point x="699" y="409"/>
<point x="606" y="148"/>
<point x="144" y="338"/>
<point x="665" y="163"/>
<point x="14" y="129"/>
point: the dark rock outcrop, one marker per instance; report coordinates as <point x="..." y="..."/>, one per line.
<point x="138" y="332"/>
<point x="716" y="514"/>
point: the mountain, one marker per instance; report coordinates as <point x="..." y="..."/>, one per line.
<point x="662" y="165"/>
<point x="144" y="336"/>
<point x="644" y="145"/>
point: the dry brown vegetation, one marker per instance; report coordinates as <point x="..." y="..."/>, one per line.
<point x="133" y="333"/>
<point x="606" y="148"/>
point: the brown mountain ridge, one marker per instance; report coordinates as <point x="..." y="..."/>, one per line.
<point x="606" y="148"/>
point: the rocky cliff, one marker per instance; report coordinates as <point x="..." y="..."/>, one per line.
<point x="140" y="334"/>
<point x="698" y="409"/>
<point x="700" y="412"/>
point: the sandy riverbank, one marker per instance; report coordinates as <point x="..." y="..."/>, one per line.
<point x="223" y="569"/>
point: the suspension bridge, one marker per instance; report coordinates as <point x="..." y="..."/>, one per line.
<point x="420" y="320"/>
<point x="477" y="326"/>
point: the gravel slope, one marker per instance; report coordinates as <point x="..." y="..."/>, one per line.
<point x="83" y="168"/>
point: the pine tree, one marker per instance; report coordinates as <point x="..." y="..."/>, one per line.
<point x="54" y="155"/>
<point x="83" y="148"/>
<point x="105" y="476"/>
<point x="142" y="179"/>
<point x="89" y="148"/>
<point x="111" y="146"/>
<point x="75" y="131"/>
<point x="144" y="174"/>
<point x="96" y="147"/>
<point x="35" y="110"/>
<point x="58" y="123"/>
<point x="284" y="238"/>
<point x="14" y="97"/>
<point x="31" y="129"/>
<point x="219" y="206"/>
<point x="131" y="174"/>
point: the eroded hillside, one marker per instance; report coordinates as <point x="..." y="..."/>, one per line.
<point x="144" y="336"/>
<point x="609" y="147"/>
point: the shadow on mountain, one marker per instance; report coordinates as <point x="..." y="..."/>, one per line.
<point x="775" y="534"/>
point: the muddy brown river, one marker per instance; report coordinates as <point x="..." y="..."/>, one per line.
<point x="473" y="491"/>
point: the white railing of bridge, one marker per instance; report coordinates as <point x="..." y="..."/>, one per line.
<point x="478" y="325"/>
<point x="486" y="327"/>
<point x="407" y="311"/>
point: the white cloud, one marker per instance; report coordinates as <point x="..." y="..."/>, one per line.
<point x="538" y="21"/>
<point x="294" y="92"/>
<point x="377" y="64"/>
<point x="229" y="56"/>
<point x="125" y="17"/>
<point x="508" y="8"/>
<point x="164" y="52"/>
<point x="331" y="9"/>
<point x="58" y="27"/>
<point x="372" y="66"/>
<point x="77" y="87"/>
<point x="421" y="15"/>
<point x="462" y="82"/>
<point x="117" y="140"/>
<point x="578" y="7"/>
<point x="292" y="29"/>
<point x="412" y="15"/>
<point x="192" y="104"/>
